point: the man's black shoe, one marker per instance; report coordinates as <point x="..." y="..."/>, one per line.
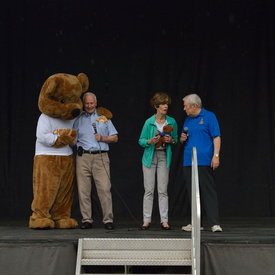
<point x="86" y="225"/>
<point x="109" y="226"/>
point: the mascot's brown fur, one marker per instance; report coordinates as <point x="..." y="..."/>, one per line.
<point x="54" y="173"/>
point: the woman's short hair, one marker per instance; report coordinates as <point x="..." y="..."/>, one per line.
<point x="160" y="98"/>
<point x="194" y="99"/>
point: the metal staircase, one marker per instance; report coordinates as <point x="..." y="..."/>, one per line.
<point x="133" y="252"/>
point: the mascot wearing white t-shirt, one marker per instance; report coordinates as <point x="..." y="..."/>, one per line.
<point x="54" y="166"/>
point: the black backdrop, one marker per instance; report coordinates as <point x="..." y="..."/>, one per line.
<point x="223" y="50"/>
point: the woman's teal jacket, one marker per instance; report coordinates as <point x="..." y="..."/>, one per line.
<point x="148" y="131"/>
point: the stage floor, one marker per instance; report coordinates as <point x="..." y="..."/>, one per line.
<point x="246" y="246"/>
<point x="235" y="230"/>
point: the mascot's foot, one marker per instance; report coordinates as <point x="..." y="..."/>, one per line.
<point x="66" y="223"/>
<point x="41" y="223"/>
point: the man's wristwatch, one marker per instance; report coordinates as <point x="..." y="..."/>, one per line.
<point x="216" y="155"/>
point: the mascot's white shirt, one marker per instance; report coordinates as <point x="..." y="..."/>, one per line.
<point x="47" y="131"/>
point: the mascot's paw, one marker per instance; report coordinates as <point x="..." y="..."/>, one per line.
<point x="65" y="138"/>
<point x="104" y="112"/>
<point x="41" y="223"/>
<point x="66" y="223"/>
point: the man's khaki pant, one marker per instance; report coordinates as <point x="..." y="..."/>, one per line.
<point x="96" y="167"/>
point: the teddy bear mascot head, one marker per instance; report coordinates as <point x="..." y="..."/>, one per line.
<point x="54" y="167"/>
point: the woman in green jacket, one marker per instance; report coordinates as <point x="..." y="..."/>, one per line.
<point x="157" y="160"/>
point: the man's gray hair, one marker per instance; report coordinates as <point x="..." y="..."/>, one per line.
<point x="89" y="93"/>
<point x="193" y="99"/>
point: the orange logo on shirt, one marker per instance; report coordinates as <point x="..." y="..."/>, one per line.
<point x="201" y="122"/>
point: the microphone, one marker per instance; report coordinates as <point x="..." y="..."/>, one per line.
<point x="94" y="126"/>
<point x="185" y="130"/>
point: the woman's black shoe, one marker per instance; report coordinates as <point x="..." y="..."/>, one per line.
<point x="165" y="227"/>
<point x="145" y="227"/>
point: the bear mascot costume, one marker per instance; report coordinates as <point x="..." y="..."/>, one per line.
<point x="54" y="165"/>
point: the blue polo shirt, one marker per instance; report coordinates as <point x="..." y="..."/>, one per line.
<point x="201" y="131"/>
<point x="85" y="132"/>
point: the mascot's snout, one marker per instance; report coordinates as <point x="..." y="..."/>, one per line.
<point x="75" y="112"/>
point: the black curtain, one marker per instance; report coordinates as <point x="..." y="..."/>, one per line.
<point x="223" y="50"/>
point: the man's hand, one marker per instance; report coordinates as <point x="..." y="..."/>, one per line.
<point x="183" y="137"/>
<point x="98" y="137"/>
<point x="107" y="139"/>
<point x="215" y="163"/>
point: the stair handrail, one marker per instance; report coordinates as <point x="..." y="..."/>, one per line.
<point x="196" y="216"/>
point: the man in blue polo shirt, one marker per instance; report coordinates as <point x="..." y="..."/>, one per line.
<point x="204" y="134"/>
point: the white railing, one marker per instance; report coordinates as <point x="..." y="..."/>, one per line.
<point x="196" y="216"/>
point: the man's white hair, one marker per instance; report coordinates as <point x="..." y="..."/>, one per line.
<point x="194" y="99"/>
<point x="89" y="93"/>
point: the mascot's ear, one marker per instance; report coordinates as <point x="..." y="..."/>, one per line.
<point x="50" y="85"/>
<point x="45" y="103"/>
<point x="83" y="79"/>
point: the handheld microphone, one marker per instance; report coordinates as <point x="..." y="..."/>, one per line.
<point x="94" y="126"/>
<point x="185" y="130"/>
